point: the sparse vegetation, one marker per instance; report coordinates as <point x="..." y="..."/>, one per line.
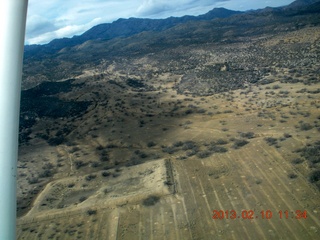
<point x="248" y="135"/>
<point x="287" y="135"/>
<point x="221" y="142"/>
<point x="311" y="153"/>
<point x="189" y="145"/>
<point x="105" y="174"/>
<point x="271" y="141"/>
<point x="169" y="150"/>
<point x="217" y="149"/>
<point x="297" y="161"/>
<point x="305" y="126"/>
<point x="177" y="105"/>
<point x="314" y="176"/>
<point x="151" y="144"/>
<point x="204" y="154"/>
<point x="82" y="199"/>
<point x="90" y="177"/>
<point x="238" y="143"/>
<point x="46" y="173"/>
<point x="91" y="212"/>
<point x="104" y="156"/>
<point x="79" y="164"/>
<point x="151" y="200"/>
<point x="258" y="181"/>
<point x="292" y="175"/>
<point x="33" y="180"/>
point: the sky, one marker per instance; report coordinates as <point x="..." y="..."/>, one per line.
<point x="51" y="19"/>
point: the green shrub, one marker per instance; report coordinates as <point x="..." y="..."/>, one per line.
<point x="297" y="161"/>
<point x="221" y="142"/>
<point x="83" y="198"/>
<point x="217" y="149"/>
<point x="46" y="173"/>
<point x="151" y="200"/>
<point x="178" y="144"/>
<point x="247" y="135"/>
<point x="169" y="150"/>
<point x="190" y="153"/>
<point x="105" y="174"/>
<point x="311" y="153"/>
<point x="90" y="177"/>
<point x="238" y="143"/>
<point x="314" y="176"/>
<point x="33" y="180"/>
<point x="292" y="175"/>
<point x="271" y="141"/>
<point x="287" y="135"/>
<point x="79" y="164"/>
<point x="189" y="145"/>
<point x="151" y="144"/>
<point x="91" y="212"/>
<point x="305" y="126"/>
<point x="204" y="154"/>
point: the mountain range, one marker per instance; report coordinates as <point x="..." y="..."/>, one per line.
<point x="134" y="36"/>
<point x="128" y="27"/>
<point x="161" y="40"/>
<point x="156" y="30"/>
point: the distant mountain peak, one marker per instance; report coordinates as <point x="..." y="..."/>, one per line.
<point x="301" y="3"/>
<point x="125" y="27"/>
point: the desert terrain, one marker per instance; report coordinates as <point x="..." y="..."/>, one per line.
<point x="157" y="146"/>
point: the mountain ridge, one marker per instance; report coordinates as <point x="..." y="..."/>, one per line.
<point x="131" y="26"/>
<point x="128" y="27"/>
<point x="65" y="58"/>
<point x="301" y="3"/>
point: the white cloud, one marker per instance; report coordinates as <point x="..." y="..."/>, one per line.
<point x="167" y="8"/>
<point x="66" y="31"/>
<point x="38" y="25"/>
<point x="151" y="7"/>
<point x="244" y="5"/>
<point x="52" y="19"/>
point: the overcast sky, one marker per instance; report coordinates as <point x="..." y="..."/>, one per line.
<point x="50" y="19"/>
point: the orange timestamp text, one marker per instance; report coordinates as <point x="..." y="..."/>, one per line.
<point x="264" y="214"/>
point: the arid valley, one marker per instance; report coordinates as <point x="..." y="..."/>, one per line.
<point x="206" y="130"/>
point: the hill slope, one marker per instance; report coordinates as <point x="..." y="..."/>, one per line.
<point x="124" y="28"/>
<point x="206" y="130"/>
<point x="51" y="62"/>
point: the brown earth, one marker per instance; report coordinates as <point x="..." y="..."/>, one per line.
<point x="172" y="159"/>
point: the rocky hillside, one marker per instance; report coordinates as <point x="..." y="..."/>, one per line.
<point x="123" y="28"/>
<point x="157" y="133"/>
<point x="66" y="58"/>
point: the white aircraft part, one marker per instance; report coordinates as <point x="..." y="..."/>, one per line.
<point x="12" y="30"/>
